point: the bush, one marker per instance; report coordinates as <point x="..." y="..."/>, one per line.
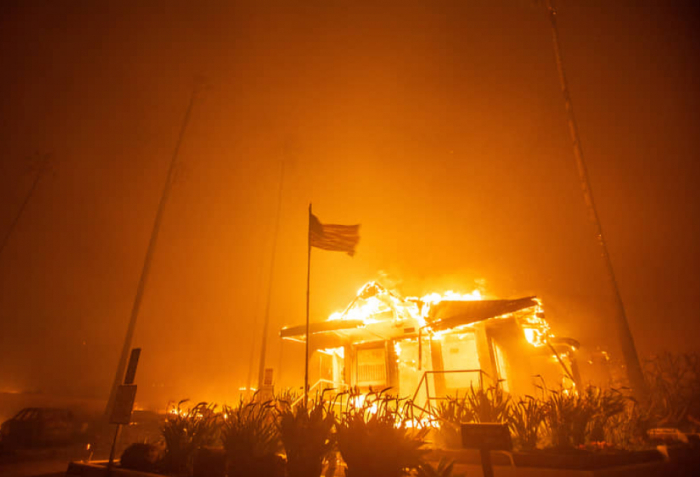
<point x="307" y="438"/>
<point x="185" y="431"/>
<point x="142" y="457"/>
<point x="251" y="440"/>
<point x="477" y="405"/>
<point x="526" y="420"/>
<point x="376" y="439"/>
<point x="606" y="404"/>
<point x="673" y="382"/>
<point x="453" y="411"/>
<point x="443" y="469"/>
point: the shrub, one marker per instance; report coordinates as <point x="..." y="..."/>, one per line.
<point x="567" y="417"/>
<point x="376" y="440"/>
<point x="628" y="430"/>
<point x="251" y="440"/>
<point x="452" y="411"/>
<point x="673" y="382"/>
<point x="526" y="419"/>
<point x="443" y="469"/>
<point x="142" y="457"/>
<point x="477" y="405"/>
<point x="605" y="404"/>
<point x="488" y="405"/>
<point x="307" y="438"/>
<point x="186" y="430"/>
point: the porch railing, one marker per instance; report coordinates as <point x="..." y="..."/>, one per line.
<point x="318" y="387"/>
<point x="424" y="381"/>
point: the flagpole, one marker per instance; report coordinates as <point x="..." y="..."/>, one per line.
<point x="308" y="283"/>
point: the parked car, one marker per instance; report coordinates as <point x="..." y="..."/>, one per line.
<point x="35" y="426"/>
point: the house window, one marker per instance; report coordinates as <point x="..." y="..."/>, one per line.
<point x="371" y="367"/>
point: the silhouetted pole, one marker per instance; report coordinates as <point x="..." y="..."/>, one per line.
<point x="147" y="262"/>
<point x="251" y="364"/>
<point x="263" y="348"/>
<point x="626" y="341"/>
<point x="308" y="284"/>
<point x="29" y="195"/>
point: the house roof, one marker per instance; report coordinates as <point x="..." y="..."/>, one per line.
<point x="442" y="316"/>
<point x="450" y="314"/>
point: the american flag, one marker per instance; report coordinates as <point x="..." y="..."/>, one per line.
<point x="336" y="238"/>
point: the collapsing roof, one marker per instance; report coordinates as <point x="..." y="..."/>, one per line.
<point x="450" y="314"/>
<point x="379" y="314"/>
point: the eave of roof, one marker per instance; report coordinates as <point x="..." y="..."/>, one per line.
<point x="450" y="314"/>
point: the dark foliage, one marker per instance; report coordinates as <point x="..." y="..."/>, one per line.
<point x="142" y="457"/>
<point x="251" y="440"/>
<point x="307" y="438"/>
<point x="376" y="439"/>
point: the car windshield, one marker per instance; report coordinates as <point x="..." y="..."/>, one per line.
<point x="27" y="414"/>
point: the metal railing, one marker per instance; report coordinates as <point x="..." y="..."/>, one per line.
<point x="424" y="381"/>
<point x="330" y="385"/>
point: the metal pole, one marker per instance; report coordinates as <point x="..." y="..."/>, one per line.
<point x="147" y="262"/>
<point x="263" y="348"/>
<point x="486" y="465"/>
<point x="626" y="341"/>
<point x="39" y="174"/>
<point x="110" y="462"/>
<point x="308" y="283"/>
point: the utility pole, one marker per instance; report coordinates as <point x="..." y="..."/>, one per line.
<point x="263" y="348"/>
<point x="149" y="257"/>
<point x="42" y="168"/>
<point x="624" y="335"/>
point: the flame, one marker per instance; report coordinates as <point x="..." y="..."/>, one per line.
<point x="178" y="412"/>
<point x="535" y="327"/>
<point x="434" y="298"/>
<point x="374" y="304"/>
<point x="373" y="300"/>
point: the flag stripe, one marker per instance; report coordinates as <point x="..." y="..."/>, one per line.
<point x="333" y="237"/>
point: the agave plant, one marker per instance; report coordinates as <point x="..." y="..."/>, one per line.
<point x="443" y="469"/>
<point x="526" y="419"/>
<point x="568" y="415"/>
<point x="453" y="411"/>
<point x="488" y="405"/>
<point x="186" y="430"/>
<point x="251" y="440"/>
<point x="307" y="438"/>
<point x="286" y="398"/>
<point x="606" y="404"/>
<point x="376" y="440"/>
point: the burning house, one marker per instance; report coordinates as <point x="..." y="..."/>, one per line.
<point x="436" y="345"/>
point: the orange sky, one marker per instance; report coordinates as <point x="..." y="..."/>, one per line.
<point x="439" y="126"/>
